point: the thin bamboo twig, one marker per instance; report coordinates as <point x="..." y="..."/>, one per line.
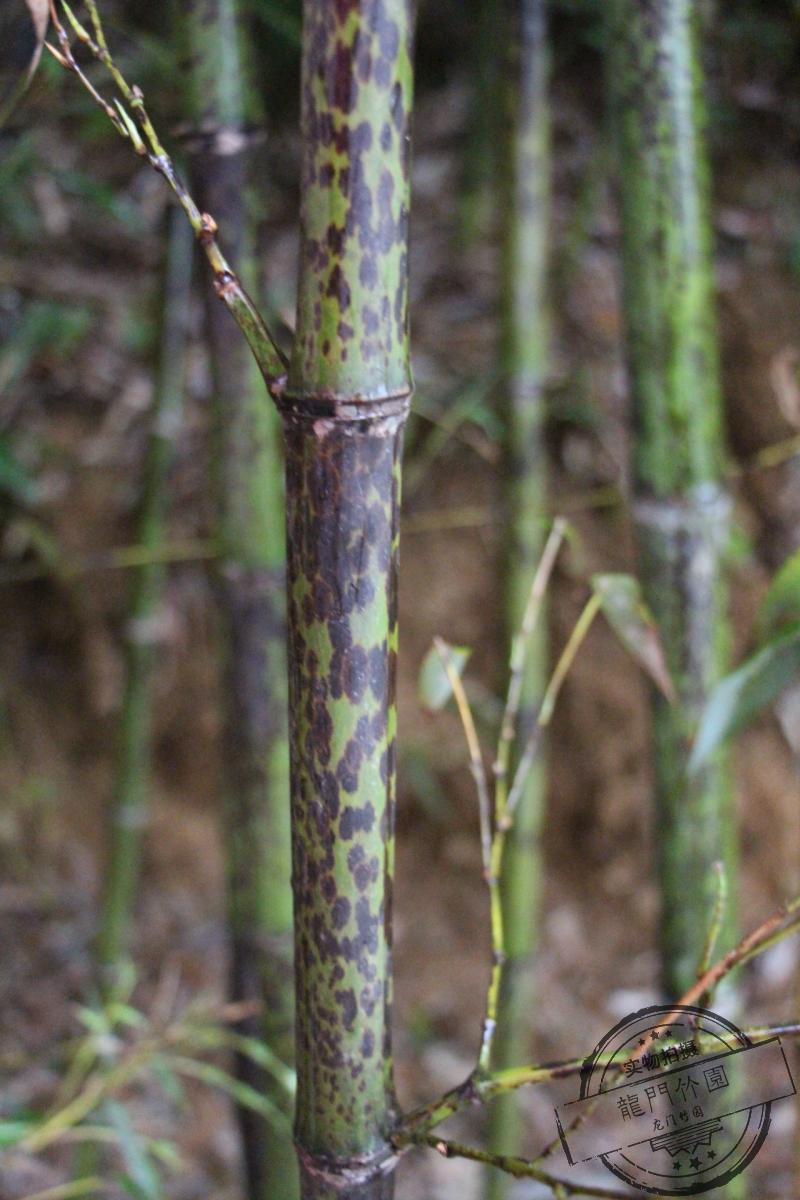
<point x="754" y="943"/>
<point x="488" y="848"/>
<point x="477" y="767"/>
<point x="136" y="126"/>
<point x="494" y="833"/>
<point x="784" y="922"/>
<point x="70" y="1191"/>
<point x="520" y="1168"/>
<point x="576" y="639"/>
<point x="715" y="924"/>
<point x="506" y="803"/>
<point x="519" y="650"/>
<point x="117" y="558"/>
<point x="474" y="1092"/>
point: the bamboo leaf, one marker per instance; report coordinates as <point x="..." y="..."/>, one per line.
<point x="172" y="1085"/>
<point x="435" y="688"/>
<point x="132" y="1188"/>
<point x="626" y="612"/>
<point x="39" y="13"/>
<point x="782" y="601"/>
<point x="12" y="1132"/>
<point x="14" y="478"/>
<point x="91" y="1185"/>
<point x="141" y="1174"/>
<point x="166" y="1152"/>
<point x="741" y="696"/>
<point x="132" y="130"/>
<point x="242" y="1093"/>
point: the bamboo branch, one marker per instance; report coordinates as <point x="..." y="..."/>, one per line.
<point x="475" y="757"/>
<point x="519" y="649"/>
<point x="576" y="639"/>
<point x="520" y="1168"/>
<point x="117" y="558"/>
<point x="134" y="124"/>
<point x="715" y="925"/>
<point x="416" y="1125"/>
<point x="90" y="1185"/>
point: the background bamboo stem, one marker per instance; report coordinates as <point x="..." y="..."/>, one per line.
<point x="524" y="354"/>
<point x="681" y="510"/>
<point x="249" y="580"/>
<point x="128" y="814"/>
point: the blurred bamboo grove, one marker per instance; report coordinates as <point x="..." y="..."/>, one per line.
<point x="247" y="468"/>
<point x="177" y="690"/>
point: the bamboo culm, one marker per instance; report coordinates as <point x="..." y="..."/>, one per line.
<point x="344" y="409"/>
<point x="129" y="809"/>
<point x="249" y="582"/>
<point x="482" y="155"/>
<point x="344" y="404"/>
<point x="523" y="364"/>
<point x="681" y="509"/>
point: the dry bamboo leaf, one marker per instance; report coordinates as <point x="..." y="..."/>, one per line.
<point x="39" y="13"/>
<point x="783" y="374"/>
<point x="40" y="16"/>
<point x="624" y="609"/>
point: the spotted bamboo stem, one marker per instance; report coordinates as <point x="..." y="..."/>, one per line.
<point x="344" y="410"/>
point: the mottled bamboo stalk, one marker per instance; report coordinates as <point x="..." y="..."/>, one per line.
<point x="249" y="582"/>
<point x="128" y="815"/>
<point x="681" y="509"/>
<point x="344" y="408"/>
<point x="524" y="355"/>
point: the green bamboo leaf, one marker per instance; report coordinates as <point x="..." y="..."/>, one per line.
<point x="242" y="1093"/>
<point x="14" y="478"/>
<point x="95" y="1020"/>
<point x="741" y="696"/>
<point x="172" y="1085"/>
<point x="215" y="1037"/>
<point x="142" y="1179"/>
<point x="12" y="1132"/>
<point x="125" y="1014"/>
<point x="131" y="1187"/>
<point x="435" y="688"/>
<point x="166" y="1152"/>
<point x="626" y="612"/>
<point x="132" y="129"/>
<point x="782" y="601"/>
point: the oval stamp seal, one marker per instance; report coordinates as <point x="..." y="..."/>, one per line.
<point x="675" y="1100"/>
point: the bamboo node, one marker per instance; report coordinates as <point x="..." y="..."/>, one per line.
<point x="208" y="229"/>
<point x="224" y="283"/>
<point x="340" y="1175"/>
